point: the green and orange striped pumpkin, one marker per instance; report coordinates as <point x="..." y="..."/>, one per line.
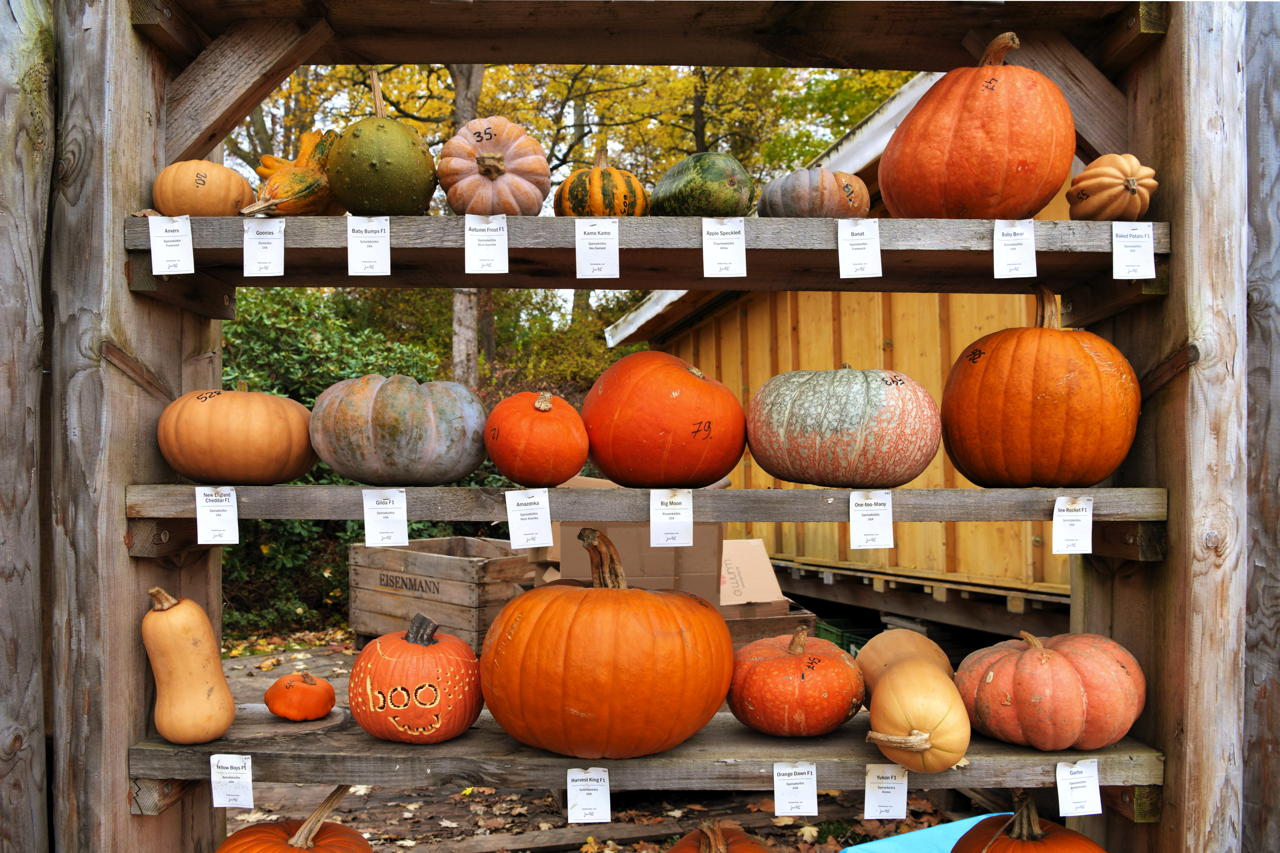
<point x="601" y="191"/>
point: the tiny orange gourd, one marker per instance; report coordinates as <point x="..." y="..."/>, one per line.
<point x="492" y="165"/>
<point x="1112" y="187"/>
<point x="536" y="439"/>
<point x="297" y="187"/>
<point x="200" y="188"/>
<point x="314" y="834"/>
<point x="601" y="190"/>
<point x="300" y="696"/>
<point x="1024" y="832"/>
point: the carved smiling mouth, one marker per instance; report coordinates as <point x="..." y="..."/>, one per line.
<point x="416" y="730"/>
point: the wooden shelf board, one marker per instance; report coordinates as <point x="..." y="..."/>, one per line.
<point x="725" y="755"/>
<point x="456" y="503"/>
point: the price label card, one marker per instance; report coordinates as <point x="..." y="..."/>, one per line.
<point x="217" y="520"/>
<point x="1015" y="248"/>
<point x="871" y="519"/>
<point x="171" y="245"/>
<point x="386" y="517"/>
<point x="1133" y="250"/>
<point x="484" y="243"/>
<point x="670" y="518"/>
<point x="724" y="247"/>
<point x="232" y="778"/>
<point x="587" y="794"/>
<point x="795" y="788"/>
<point x="529" y="518"/>
<point x="858" y="247"/>
<point x="1073" y="525"/>
<point x="1078" y="792"/>
<point x="886" y="794"/>
<point x="368" y="245"/>
<point x="597" y="248"/>
<point x="263" y="247"/>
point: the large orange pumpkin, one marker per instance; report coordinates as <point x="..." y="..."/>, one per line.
<point x="992" y="142"/>
<point x="492" y="165"/>
<point x="713" y="836"/>
<point x="236" y="437"/>
<point x="605" y="671"/>
<point x="794" y="685"/>
<point x="655" y="421"/>
<point x="536" y="439"/>
<point x="1024" y="832"/>
<point x="894" y="646"/>
<point x="1079" y="691"/>
<point x="200" y="188"/>
<point x="416" y="686"/>
<point x="314" y="834"/>
<point x="917" y="717"/>
<point x="1040" y="406"/>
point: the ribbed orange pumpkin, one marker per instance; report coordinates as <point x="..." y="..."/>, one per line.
<point x="716" y="837"/>
<point x="299" y="187"/>
<point x="1025" y="832"/>
<point x="655" y="421"/>
<point x="300" y="696"/>
<point x="917" y="717"/>
<point x="1078" y="691"/>
<point x="1115" y="186"/>
<point x="493" y="166"/>
<point x="815" y="192"/>
<point x="1040" y="406"/>
<point x="200" y="188"/>
<point x="894" y="646"/>
<point x="415" y="686"/>
<point x="536" y="439"/>
<point x="605" y="671"/>
<point x="314" y="834"/>
<point x="601" y="191"/>
<point x="992" y="142"/>
<point x="236" y="437"/>
<point x="794" y="685"/>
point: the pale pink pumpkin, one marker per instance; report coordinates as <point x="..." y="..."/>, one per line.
<point x="856" y="429"/>
<point x="493" y="166"/>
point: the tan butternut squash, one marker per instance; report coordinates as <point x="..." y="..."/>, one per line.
<point x="193" y="699"/>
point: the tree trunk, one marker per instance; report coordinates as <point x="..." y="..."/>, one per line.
<point x="27" y="138"/>
<point x="699" y="111"/>
<point x="467" y="80"/>
<point x="581" y="306"/>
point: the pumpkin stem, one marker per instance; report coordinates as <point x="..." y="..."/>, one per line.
<point x="308" y="678"/>
<point x="1026" y="820"/>
<point x="917" y="741"/>
<point x="379" y="107"/>
<point x="422" y="631"/>
<point x="491" y="165"/>
<point x="713" y="838"/>
<point x="265" y="206"/>
<point x="161" y="600"/>
<point x="543" y="403"/>
<point x="696" y="372"/>
<point x="1031" y="640"/>
<point x="602" y="158"/>
<point x="606" y="567"/>
<point x="1131" y="184"/>
<point x="1048" y="314"/>
<point x="999" y="46"/>
<point x="242" y="385"/>
<point x="798" y="640"/>
<point x="303" y="839"/>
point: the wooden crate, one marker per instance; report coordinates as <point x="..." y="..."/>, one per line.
<point x="746" y="626"/>
<point x="461" y="582"/>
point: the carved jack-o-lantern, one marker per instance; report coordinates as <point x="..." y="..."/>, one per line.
<point x="416" y="686"/>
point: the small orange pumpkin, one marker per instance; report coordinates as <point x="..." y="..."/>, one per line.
<point x="536" y="439"/>
<point x="715" y="836"/>
<point x="1113" y="187"/>
<point x="601" y="191"/>
<point x="299" y="187"/>
<point x="300" y="696"/>
<point x="492" y="165"/>
<point x="200" y="188"/>
<point x="1024" y="832"/>
<point x="314" y="834"/>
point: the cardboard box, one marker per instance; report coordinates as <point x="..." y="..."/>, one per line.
<point x="747" y="579"/>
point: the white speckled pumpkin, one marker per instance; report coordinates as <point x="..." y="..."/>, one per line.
<point x="855" y="429"/>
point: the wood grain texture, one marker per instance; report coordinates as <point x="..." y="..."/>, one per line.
<point x="1262" y="629"/>
<point x="1141" y="25"/>
<point x="169" y="28"/>
<point x="27" y="138"/>
<point x="725" y="755"/>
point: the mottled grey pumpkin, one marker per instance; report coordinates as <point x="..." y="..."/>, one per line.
<point x="816" y="192"/>
<point x="854" y="429"/>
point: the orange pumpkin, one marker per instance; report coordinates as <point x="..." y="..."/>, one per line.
<point x="894" y="646"/>
<point x="1113" y="187"/>
<point x="917" y="717"/>
<point x="715" y="836"/>
<point x="605" y="671"/>
<point x="536" y="439"/>
<point x="655" y="421"/>
<point x="300" y="696"/>
<point x="493" y="166"/>
<point x="1024" y="832"/>
<point x="816" y="192"/>
<point x="794" y="686"/>
<point x="1040" y="406"/>
<point x="601" y="191"/>
<point x="299" y="187"/>
<point x="415" y="686"/>
<point x="200" y="188"/>
<point x="314" y="834"/>
<point x="1078" y="691"/>
<point x="992" y="142"/>
<point x="236" y="437"/>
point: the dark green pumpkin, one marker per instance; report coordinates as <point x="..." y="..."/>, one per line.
<point x="706" y="184"/>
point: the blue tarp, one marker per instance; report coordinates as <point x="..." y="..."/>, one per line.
<point x="935" y="839"/>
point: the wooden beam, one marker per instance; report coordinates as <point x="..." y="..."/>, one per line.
<point x="1138" y="803"/>
<point x="1134" y="541"/>
<point x="1094" y="301"/>
<point x="201" y="293"/>
<point x="231" y="77"/>
<point x="153" y="796"/>
<point x="1140" y="27"/>
<point x="167" y="26"/>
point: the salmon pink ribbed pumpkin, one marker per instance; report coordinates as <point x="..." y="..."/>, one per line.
<point x="314" y="834"/>
<point x="655" y="421"/>
<point x="493" y="165"/>
<point x="536" y="439"/>
<point x="1024" y="832"/>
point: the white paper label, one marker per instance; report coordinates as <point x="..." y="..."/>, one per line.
<point x="1078" y="792"/>
<point x="386" y="517"/>
<point x="232" y="778"/>
<point x="1133" y="250"/>
<point x="1073" y="525"/>
<point x="1015" y="248"/>
<point x="263" y="247"/>
<point x="484" y="243"/>
<point x="795" y="788"/>
<point x="886" y="794"/>
<point x="368" y="245"/>
<point x="871" y="519"/>
<point x="858" y="246"/>
<point x="670" y="518"/>
<point x="587" y="795"/>
<point x="217" y="520"/>
<point x="597" y="248"/>
<point x="171" y="245"/>
<point x="529" y="518"/>
<point x="724" y="247"/>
